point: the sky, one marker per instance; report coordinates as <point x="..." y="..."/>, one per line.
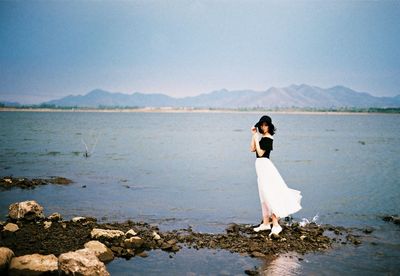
<point x="51" y="49"/>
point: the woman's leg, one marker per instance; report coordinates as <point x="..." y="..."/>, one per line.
<point x="276" y="228"/>
<point x="266" y="225"/>
<point x="266" y="214"/>
<point x="275" y="220"/>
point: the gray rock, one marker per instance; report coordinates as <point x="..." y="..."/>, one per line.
<point x="81" y="262"/>
<point x="102" y="252"/>
<point x="29" y="210"/>
<point x="232" y="228"/>
<point x="34" y="264"/>
<point x="6" y="255"/>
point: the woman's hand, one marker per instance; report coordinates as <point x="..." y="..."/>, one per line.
<point x="253" y="130"/>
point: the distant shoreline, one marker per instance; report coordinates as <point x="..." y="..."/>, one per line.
<point x="202" y="110"/>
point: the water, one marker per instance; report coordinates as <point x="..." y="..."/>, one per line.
<point x="180" y="169"/>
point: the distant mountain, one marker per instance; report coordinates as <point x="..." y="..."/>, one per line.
<point x="97" y="98"/>
<point x="9" y="104"/>
<point x="300" y="96"/>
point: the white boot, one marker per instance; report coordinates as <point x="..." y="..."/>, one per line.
<point x="262" y="227"/>
<point x="276" y="229"/>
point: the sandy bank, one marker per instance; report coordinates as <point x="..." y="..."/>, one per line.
<point x="187" y="110"/>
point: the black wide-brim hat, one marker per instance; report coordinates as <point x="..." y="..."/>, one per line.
<point x="264" y="119"/>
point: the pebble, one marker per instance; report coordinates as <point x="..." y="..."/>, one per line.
<point x="130" y="233"/>
<point x="11" y="227"/>
<point x="78" y="219"/>
<point x="47" y="224"/>
<point x="156" y="236"/>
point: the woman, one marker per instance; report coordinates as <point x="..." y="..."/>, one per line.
<point x="277" y="200"/>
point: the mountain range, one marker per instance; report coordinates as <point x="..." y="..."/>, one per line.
<point x="294" y="96"/>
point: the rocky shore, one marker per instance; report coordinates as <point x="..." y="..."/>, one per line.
<point x="9" y="182"/>
<point x="32" y="244"/>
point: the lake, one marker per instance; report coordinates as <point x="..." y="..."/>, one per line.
<point x="195" y="168"/>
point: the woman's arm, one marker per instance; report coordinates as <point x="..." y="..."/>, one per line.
<point x="255" y="144"/>
<point x="252" y="143"/>
<point x="260" y="152"/>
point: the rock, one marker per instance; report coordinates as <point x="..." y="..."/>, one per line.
<point x="60" y="180"/>
<point x="6" y="255"/>
<point x="47" y="224"/>
<point x="117" y="249"/>
<point x="353" y="239"/>
<point x="172" y="242"/>
<point x="54" y="217"/>
<point x="130" y="252"/>
<point x="102" y="252"/>
<point x="156" y="236"/>
<point x="251" y="272"/>
<point x="368" y="230"/>
<point x="302" y="237"/>
<point x="133" y="242"/>
<point x="11" y="227"/>
<point x="78" y="219"/>
<point x="98" y="233"/>
<point x="257" y="254"/>
<point x="29" y="210"/>
<point x="81" y="262"/>
<point x="143" y="254"/>
<point x="166" y="246"/>
<point x="387" y="218"/>
<point x="130" y="233"/>
<point x="395" y="219"/>
<point x="34" y="264"/>
<point x="175" y="248"/>
<point x="232" y="228"/>
<point x="274" y="236"/>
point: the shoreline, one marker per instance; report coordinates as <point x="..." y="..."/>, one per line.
<point x="191" y="110"/>
<point x="28" y="234"/>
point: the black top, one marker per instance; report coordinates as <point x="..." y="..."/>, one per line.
<point x="265" y="144"/>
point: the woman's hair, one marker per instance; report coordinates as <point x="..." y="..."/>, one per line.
<point x="271" y="128"/>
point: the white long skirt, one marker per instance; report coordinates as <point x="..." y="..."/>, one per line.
<point x="275" y="196"/>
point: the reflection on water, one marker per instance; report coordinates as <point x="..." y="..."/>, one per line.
<point x="187" y="261"/>
<point x="286" y="264"/>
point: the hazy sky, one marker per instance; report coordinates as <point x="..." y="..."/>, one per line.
<point x="183" y="48"/>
